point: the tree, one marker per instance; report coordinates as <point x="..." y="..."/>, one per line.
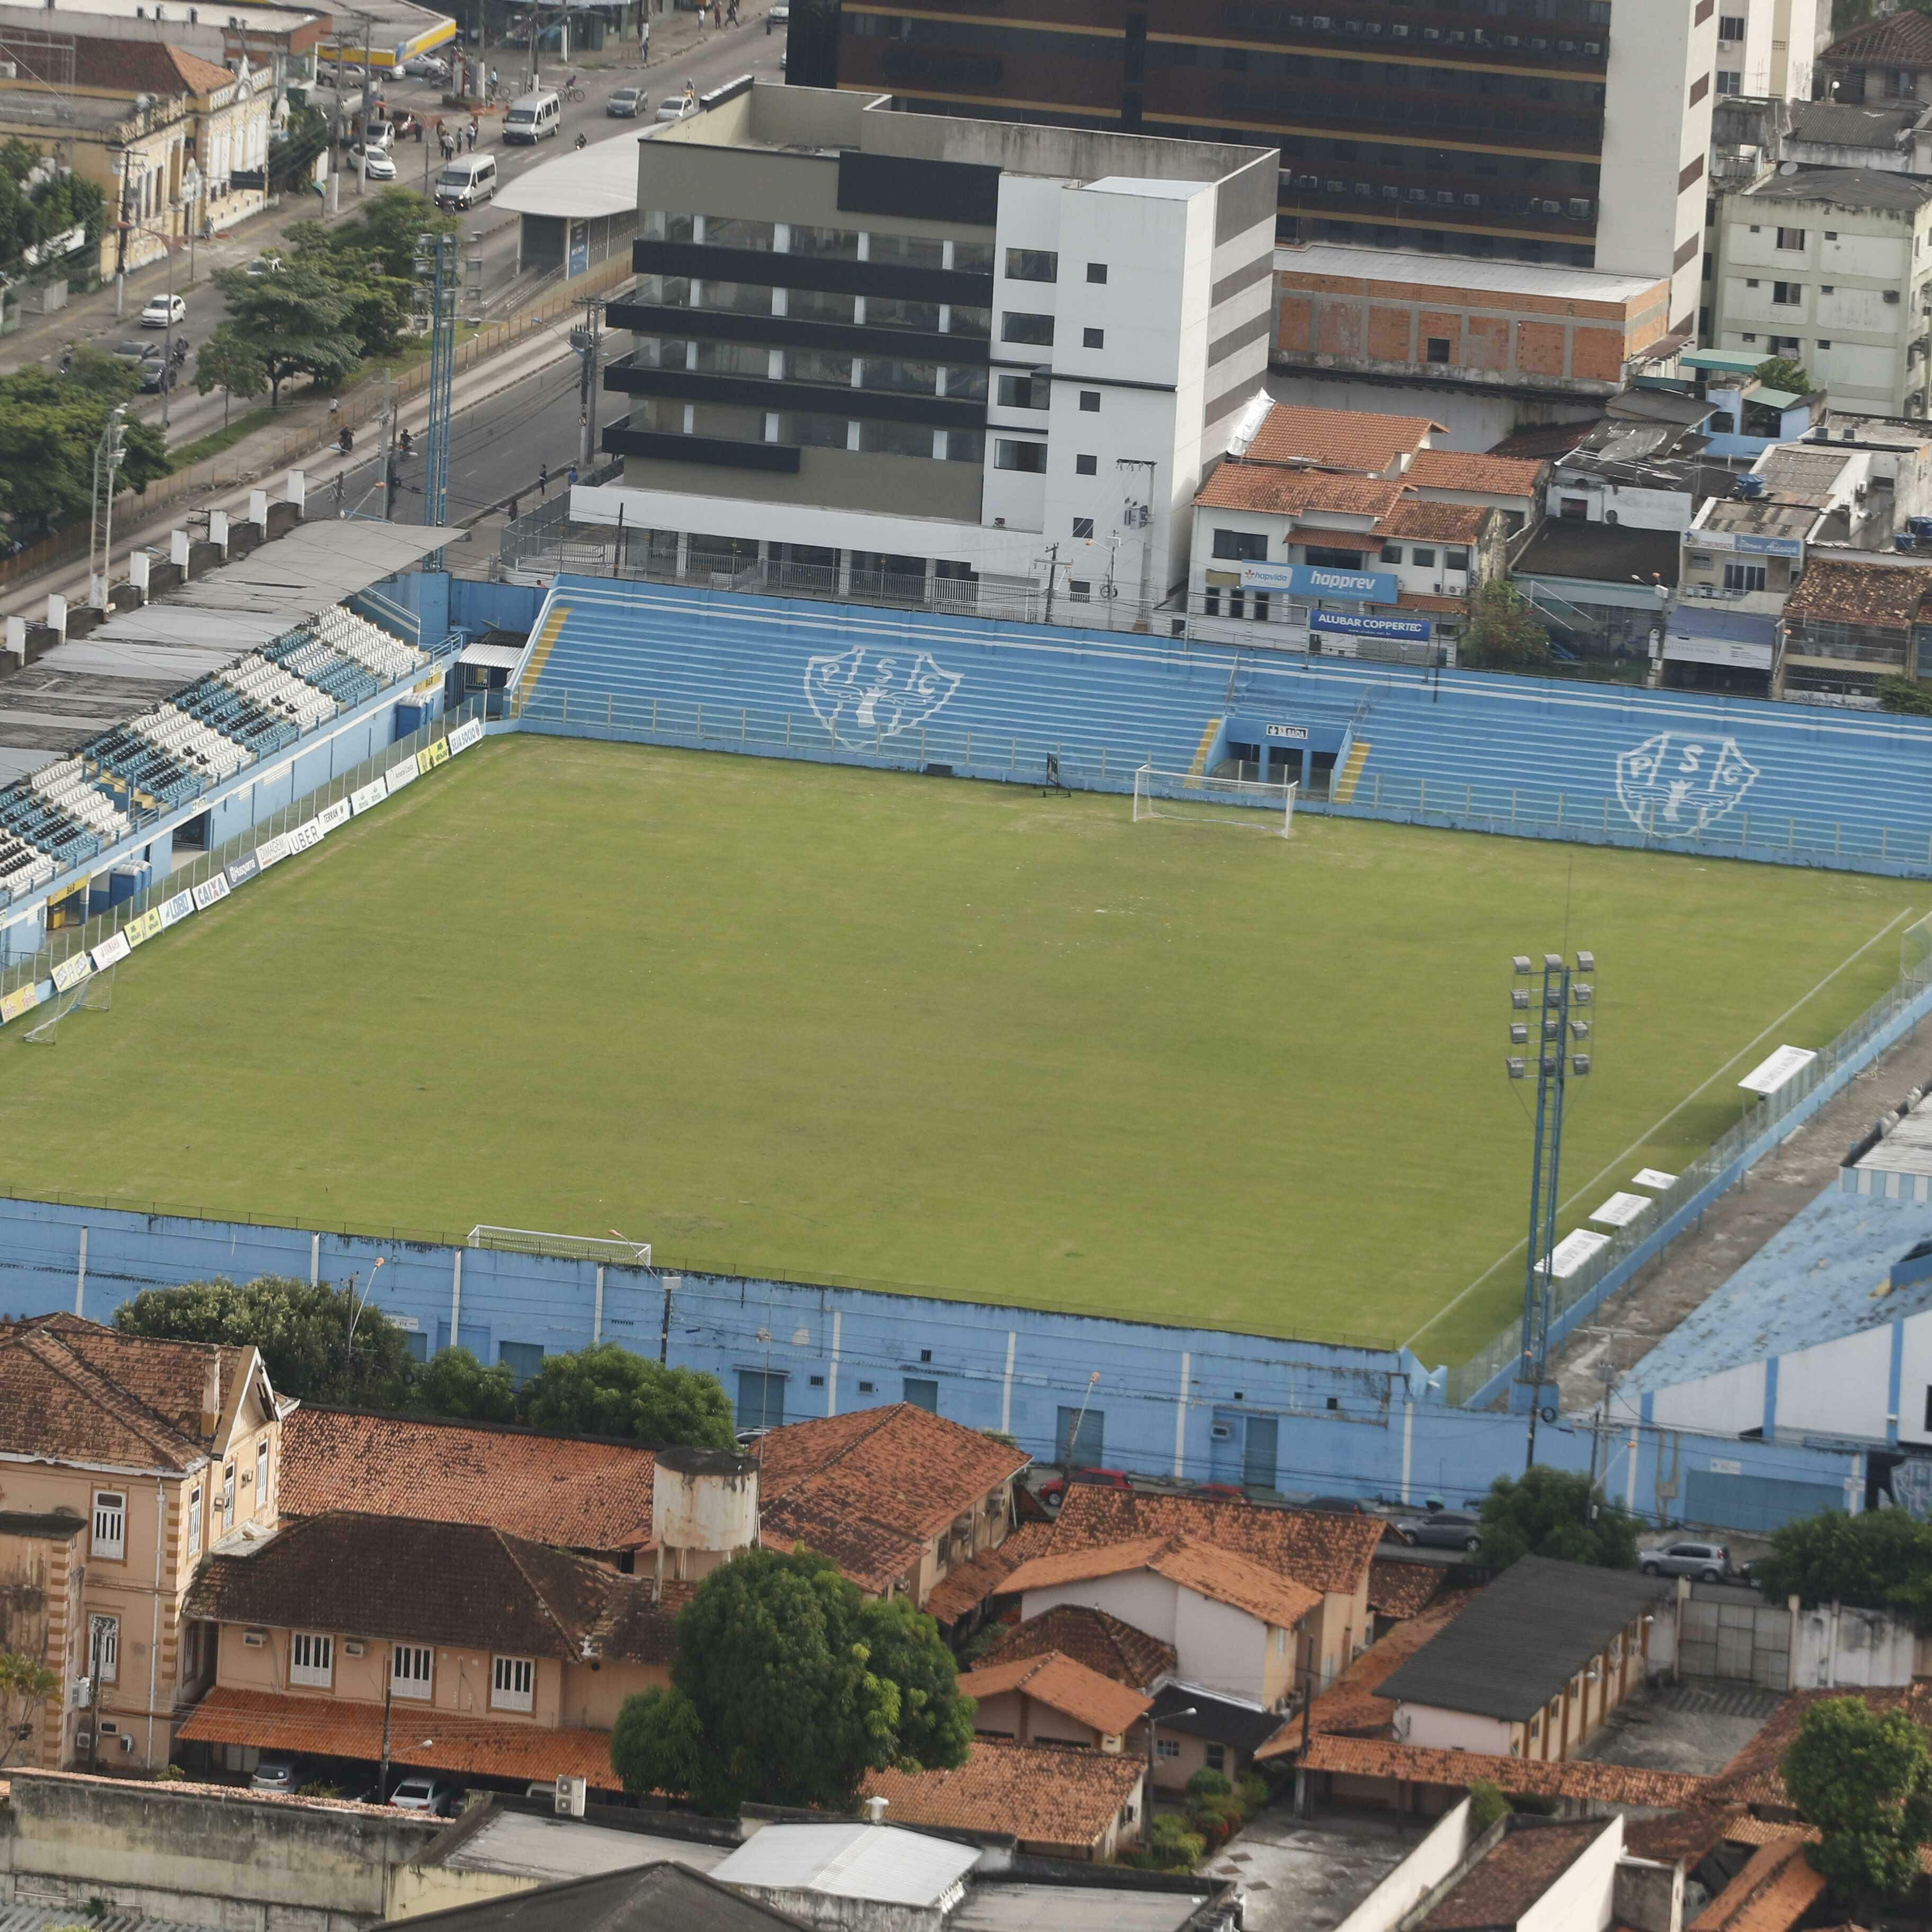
<point x="1780" y="372"/>
<point x="296" y="323"/>
<point x="232" y="363"/>
<point x="454" y="1383"/>
<point x="48" y="426"/>
<point x="1486" y="1804"/>
<point x="608" y="1390"/>
<point x="25" y="1685"/>
<point x="39" y="199"/>
<point x="1553" y="1512"/>
<point x="316" y="1341"/>
<point x="1504" y="632"/>
<point x="1879" y="1560"/>
<point x="1864" y="1777"/>
<point x="1899" y="693"/>
<point x="788" y="1688"/>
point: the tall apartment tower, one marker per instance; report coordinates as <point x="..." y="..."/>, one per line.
<point x="1569" y="132"/>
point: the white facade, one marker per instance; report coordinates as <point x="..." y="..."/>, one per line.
<point x="1835" y="284"/>
<point x="1656" y="138"/>
<point x="1429" y="1726"/>
<point x="1765" y="48"/>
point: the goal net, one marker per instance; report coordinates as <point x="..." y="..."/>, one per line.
<point x="1250" y="804"/>
<point x="1914" y="952"/>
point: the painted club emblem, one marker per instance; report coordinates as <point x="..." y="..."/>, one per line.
<point x="870" y="694"/>
<point x="1674" y="785"/>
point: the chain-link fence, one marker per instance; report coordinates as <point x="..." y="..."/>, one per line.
<point x="1898" y="1011"/>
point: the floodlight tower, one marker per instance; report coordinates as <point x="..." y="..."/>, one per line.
<point x="437" y="260"/>
<point x="1556" y="1028"/>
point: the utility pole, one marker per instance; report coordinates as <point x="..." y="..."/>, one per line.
<point x="108" y="454"/>
<point x="587" y="341"/>
<point x="1140" y="517"/>
<point x="388" y="454"/>
<point x="1553" y="1029"/>
<point x="1052" y="572"/>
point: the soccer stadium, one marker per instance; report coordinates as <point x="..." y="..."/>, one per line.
<point x="799" y="1016"/>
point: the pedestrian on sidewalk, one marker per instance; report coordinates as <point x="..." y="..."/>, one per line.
<point x="718" y="14"/>
<point x="513" y="509"/>
<point x="573" y="476"/>
<point x="731" y="13"/>
<point x="644" y="40"/>
<point x="473" y="131"/>
<point x="543" y="482"/>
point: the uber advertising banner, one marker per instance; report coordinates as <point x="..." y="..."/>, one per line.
<point x="304" y="836"/>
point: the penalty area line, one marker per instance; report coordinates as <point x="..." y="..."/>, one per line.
<point x="1617" y="1160"/>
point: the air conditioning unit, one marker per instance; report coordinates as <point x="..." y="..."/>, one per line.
<point x="1399" y="30"/>
<point x="83" y="1740"/>
<point x="1472" y="201"/>
<point x="253" y="1639"/>
<point x="1431" y="33"/>
<point x="127" y="1744"/>
<point x="353" y="1647"/>
<point x="571" y="1795"/>
<point x="1512" y="40"/>
<point x="1552" y="208"/>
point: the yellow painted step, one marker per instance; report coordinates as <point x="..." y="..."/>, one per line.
<point x="1350" y="776"/>
<point x="553" y="629"/>
<point x="1209" y="732"/>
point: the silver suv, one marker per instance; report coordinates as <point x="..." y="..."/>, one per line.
<point x="1709" y="1562"/>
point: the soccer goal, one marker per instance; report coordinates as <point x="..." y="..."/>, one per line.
<point x="1251" y="804"/>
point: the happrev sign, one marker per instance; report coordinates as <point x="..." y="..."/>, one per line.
<point x="1321" y="580"/>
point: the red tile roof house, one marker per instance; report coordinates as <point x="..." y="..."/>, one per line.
<point x="1050" y="1699"/>
<point x="897" y="1497"/>
<point x="493" y="1656"/>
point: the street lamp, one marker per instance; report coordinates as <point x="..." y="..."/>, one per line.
<point x="1153" y="1723"/>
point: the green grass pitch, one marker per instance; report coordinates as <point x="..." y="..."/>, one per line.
<point x="824" y="1023"/>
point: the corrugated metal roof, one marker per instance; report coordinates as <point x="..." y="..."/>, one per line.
<point x="39" y="1918"/>
<point x="851" y="1860"/>
<point x="492" y="657"/>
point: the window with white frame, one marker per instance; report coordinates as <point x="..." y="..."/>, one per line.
<point x="110" y="1524"/>
<point x="228" y="1498"/>
<point x="513" y="1684"/>
<point x="411" y="1670"/>
<point x="1166" y="1747"/>
<point x="194" y="1521"/>
<point x="103" y="1648"/>
<point x="312" y="1660"/>
<point x="262" y="1476"/>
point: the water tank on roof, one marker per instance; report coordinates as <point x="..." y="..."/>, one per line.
<point x="704" y="1509"/>
<point x="1902" y="542"/>
<point x="1748" y="487"/>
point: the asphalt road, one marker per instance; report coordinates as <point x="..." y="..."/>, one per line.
<point x="747" y="49"/>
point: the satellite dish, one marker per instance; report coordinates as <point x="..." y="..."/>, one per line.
<point x="1787" y="167"/>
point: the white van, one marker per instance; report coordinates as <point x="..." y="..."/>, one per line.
<point x="466" y="180"/>
<point x="534" y="115"/>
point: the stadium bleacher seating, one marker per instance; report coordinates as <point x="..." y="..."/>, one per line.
<point x="1584" y="759"/>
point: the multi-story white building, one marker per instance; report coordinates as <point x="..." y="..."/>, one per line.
<point x="881" y="352"/>
<point x="1830" y="268"/>
<point x="1766" y="48"/>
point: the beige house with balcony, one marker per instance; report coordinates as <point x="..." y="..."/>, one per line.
<point x="157" y="1452"/>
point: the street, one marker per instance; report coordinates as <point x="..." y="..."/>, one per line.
<point x="720" y="57"/>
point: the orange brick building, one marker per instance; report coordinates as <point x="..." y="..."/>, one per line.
<point x="1422" y="328"/>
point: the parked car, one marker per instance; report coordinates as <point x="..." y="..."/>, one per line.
<point x="1336" y="1505"/>
<point x="1709" y="1562"/>
<point x="402" y="125"/>
<point x="781" y="14"/>
<point x="427" y="67"/>
<point x="1053" y="1492"/>
<point x="1441" y="1529"/>
<point x="376" y="165"/>
<point x="163" y="311"/>
<point x="157" y="374"/>
<point x="671" y="110"/>
<point x="420" y="1793"/>
<point x="277" y="1772"/>
<point x="1220" y="1492"/>
<point x="137" y="351"/>
<point x="627" y="103"/>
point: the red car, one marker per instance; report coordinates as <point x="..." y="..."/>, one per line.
<point x="1219" y="1492"/>
<point x="1053" y="1493"/>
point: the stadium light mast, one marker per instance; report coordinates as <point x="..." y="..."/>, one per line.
<point x="1555" y="1030"/>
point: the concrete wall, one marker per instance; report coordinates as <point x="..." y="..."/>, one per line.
<point x="1426" y="1867"/>
<point x="1581" y="1898"/>
<point x="206" y="1854"/>
<point x="1431" y="1726"/>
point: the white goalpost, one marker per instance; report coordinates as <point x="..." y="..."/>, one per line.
<point x="1251" y="804"/>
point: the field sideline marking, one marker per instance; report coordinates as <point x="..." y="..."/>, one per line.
<point x="1617" y="1160"/>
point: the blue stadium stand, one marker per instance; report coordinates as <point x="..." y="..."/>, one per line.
<point x="1542" y="757"/>
<point x="28" y="816"/>
<point x="222" y="708"/>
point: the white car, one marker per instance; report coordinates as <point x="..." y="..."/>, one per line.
<point x="376" y="165"/>
<point x="418" y="1792"/>
<point x="672" y="110"/>
<point x="164" y="311"/>
<point x="427" y="67"/>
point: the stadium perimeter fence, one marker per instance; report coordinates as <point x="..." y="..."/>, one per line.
<point x="1522" y="811"/>
<point x="65" y="942"/>
<point x="1896" y="1012"/>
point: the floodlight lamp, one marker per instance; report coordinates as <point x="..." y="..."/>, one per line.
<point x="1582" y="995"/>
<point x="1517" y="1069"/>
<point x="1552" y="1029"/>
<point x="1586" y="962"/>
<point x="1519" y="998"/>
<point x="1579" y="1029"/>
<point x="1521" y="963"/>
<point x="1552" y="962"/>
<point x="1579" y="1063"/>
<point x="1518" y="1035"/>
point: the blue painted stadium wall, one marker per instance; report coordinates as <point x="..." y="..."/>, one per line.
<point x="1538" y="757"/>
<point x="1162" y="1392"/>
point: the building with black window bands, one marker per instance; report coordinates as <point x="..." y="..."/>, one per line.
<point x="876" y="350"/>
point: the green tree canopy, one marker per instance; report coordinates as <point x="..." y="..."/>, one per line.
<point x="606" y="1390"/>
<point x="48" y="426"/>
<point x="1880" y="1560"/>
<point x="39" y="201"/>
<point x="25" y="1685"/>
<point x="1864" y="1778"/>
<point x="788" y="1688"/>
<point x="231" y="363"/>
<point x="454" y="1383"/>
<point x="316" y="1341"/>
<point x="1554" y="1513"/>
<point x="1897" y="692"/>
<point x="1780" y="372"/>
<point x="300" y="323"/>
<point x="1504" y="632"/>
